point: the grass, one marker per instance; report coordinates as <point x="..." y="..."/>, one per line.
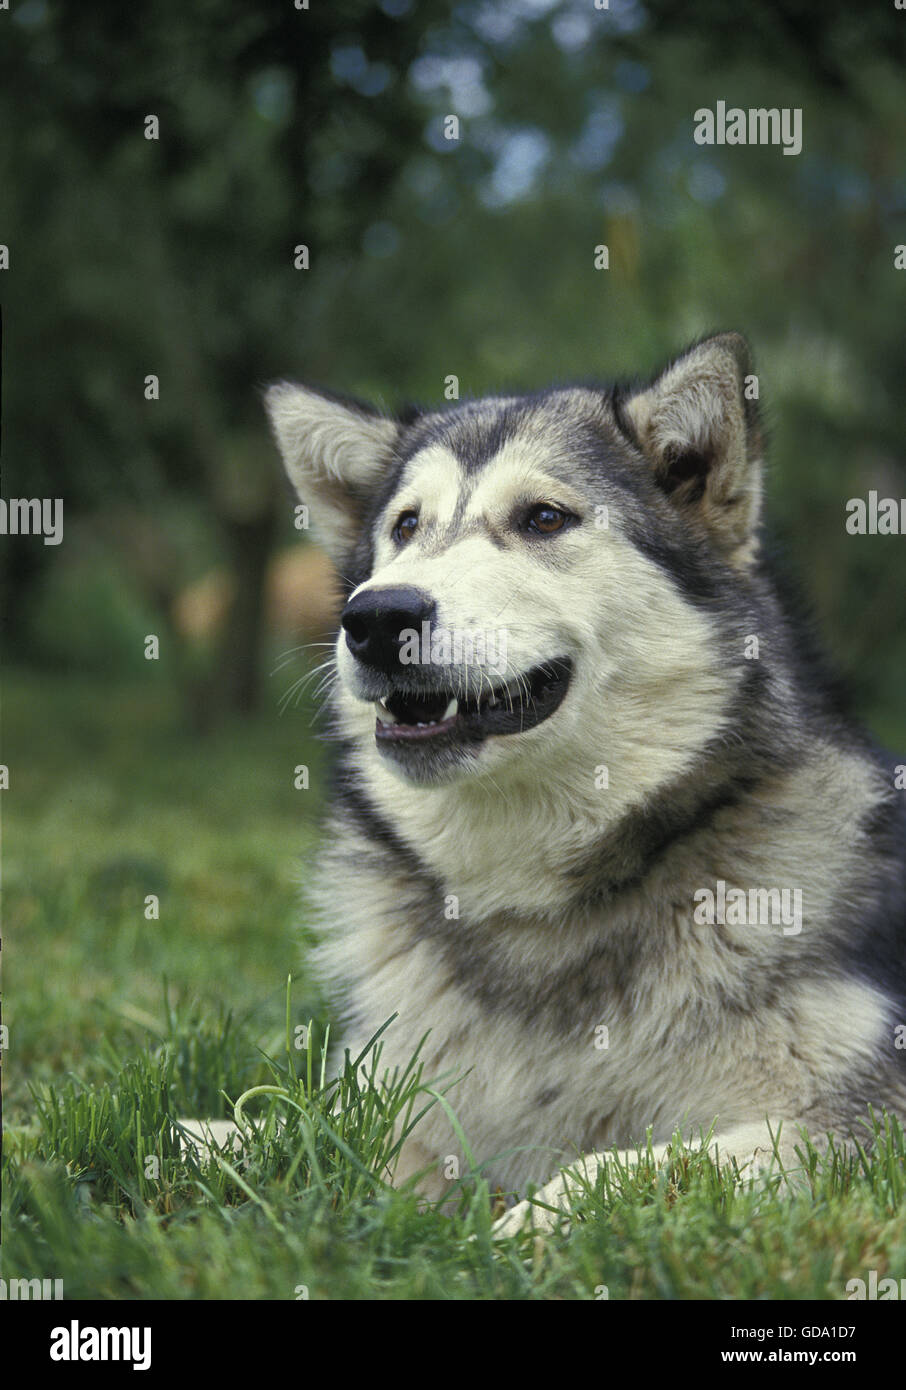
<point x="120" y="1023"/>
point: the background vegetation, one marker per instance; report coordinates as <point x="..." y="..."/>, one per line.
<point x="175" y="257"/>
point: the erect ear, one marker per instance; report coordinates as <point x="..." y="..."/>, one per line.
<point x="335" y="453"/>
<point x="699" y="429"/>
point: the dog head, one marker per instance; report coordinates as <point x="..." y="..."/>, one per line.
<point x="521" y="570"/>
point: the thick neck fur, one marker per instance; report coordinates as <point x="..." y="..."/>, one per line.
<point x="539" y="842"/>
<point x="541" y="835"/>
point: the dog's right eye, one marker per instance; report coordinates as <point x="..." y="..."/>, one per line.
<point x="545" y="520"/>
<point x="405" y="527"/>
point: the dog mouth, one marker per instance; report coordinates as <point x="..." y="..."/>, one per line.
<point x="407" y="717"/>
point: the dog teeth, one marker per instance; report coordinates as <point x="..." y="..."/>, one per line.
<point x="386" y="716"/>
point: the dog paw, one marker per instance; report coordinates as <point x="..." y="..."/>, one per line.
<point x="547" y="1211"/>
<point x="204" y="1137"/>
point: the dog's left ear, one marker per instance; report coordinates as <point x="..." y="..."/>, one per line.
<point x="336" y="452"/>
<point x="698" y="426"/>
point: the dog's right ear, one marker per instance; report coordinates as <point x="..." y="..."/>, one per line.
<point x="699" y="431"/>
<point x="335" y="452"/>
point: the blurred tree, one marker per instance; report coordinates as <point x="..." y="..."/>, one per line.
<point x="173" y="257"/>
<point x="430" y="256"/>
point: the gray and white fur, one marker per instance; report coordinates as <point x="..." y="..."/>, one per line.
<point x="517" y="872"/>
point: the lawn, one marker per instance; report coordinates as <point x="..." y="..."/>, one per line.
<point x="120" y="1021"/>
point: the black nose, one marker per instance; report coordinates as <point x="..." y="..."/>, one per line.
<point x="375" y="618"/>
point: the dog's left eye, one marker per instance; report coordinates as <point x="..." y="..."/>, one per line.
<point x="545" y="520"/>
<point x="406" y="526"/>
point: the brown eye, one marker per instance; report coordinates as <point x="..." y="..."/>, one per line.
<point x="546" y="520"/>
<point x="406" y="526"/>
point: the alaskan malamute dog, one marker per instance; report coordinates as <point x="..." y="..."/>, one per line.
<point x="599" y="826"/>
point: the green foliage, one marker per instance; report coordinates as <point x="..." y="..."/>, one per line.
<point x="428" y="257"/>
<point x="174" y="257"/>
<point x="113" y="800"/>
<point x="85" y="617"/>
<point x="104" y="1194"/>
